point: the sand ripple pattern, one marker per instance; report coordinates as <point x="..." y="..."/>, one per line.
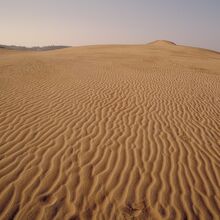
<point x="110" y="132"/>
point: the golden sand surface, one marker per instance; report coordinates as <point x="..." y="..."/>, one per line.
<point x="110" y="132"/>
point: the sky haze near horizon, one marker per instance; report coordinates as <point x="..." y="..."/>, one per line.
<point x="86" y="22"/>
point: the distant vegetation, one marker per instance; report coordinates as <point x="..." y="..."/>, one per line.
<point x="12" y="47"/>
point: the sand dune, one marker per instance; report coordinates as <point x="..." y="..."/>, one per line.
<point x="163" y="42"/>
<point x="110" y="132"/>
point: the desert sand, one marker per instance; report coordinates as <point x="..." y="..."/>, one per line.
<point x="110" y="132"/>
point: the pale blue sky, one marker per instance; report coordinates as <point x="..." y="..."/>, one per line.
<point x="83" y="22"/>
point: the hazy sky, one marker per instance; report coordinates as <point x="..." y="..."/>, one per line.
<point x="82" y="22"/>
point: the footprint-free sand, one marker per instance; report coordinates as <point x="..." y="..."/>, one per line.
<point x="110" y="132"/>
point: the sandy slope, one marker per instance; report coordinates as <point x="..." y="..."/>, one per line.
<point x="110" y="132"/>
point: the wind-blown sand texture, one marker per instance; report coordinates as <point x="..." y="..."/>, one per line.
<point x="110" y="132"/>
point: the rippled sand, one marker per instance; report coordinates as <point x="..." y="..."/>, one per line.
<point x="110" y="132"/>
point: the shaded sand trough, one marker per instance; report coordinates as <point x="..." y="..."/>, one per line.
<point x="110" y="132"/>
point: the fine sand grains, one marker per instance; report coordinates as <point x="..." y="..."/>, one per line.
<point x="110" y="132"/>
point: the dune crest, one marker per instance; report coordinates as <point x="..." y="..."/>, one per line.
<point x="110" y="132"/>
<point x="162" y="43"/>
